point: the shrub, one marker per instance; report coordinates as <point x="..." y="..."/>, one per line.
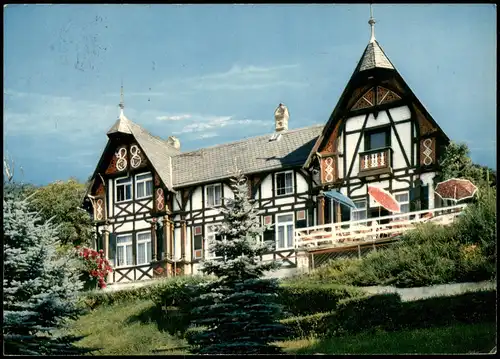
<point x="313" y="325"/>
<point x="342" y="270"/>
<point x="303" y="299"/>
<point x="469" y="308"/>
<point x="95" y="266"/>
<point x="160" y="292"/>
<point x="478" y="224"/>
<point x="429" y="254"/>
<point x="366" y="313"/>
<point x="387" y="312"/>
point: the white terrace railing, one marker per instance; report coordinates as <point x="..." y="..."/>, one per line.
<point x="371" y="229"/>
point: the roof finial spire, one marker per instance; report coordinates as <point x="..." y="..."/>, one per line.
<point x="372" y="24"/>
<point x="122" y="104"/>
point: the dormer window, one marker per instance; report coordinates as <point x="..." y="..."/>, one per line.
<point x="143" y="185"/>
<point x="214" y="194"/>
<point x="123" y="189"/>
<point x="284" y="183"/>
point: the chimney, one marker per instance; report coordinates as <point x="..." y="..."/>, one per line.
<point x="174" y="142"/>
<point x="281" y="118"/>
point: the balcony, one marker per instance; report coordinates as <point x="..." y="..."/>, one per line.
<point x="371" y="230"/>
<point x="375" y="162"/>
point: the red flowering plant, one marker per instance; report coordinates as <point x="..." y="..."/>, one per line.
<point x="94" y="265"/>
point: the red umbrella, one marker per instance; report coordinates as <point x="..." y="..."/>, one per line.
<point x="384" y="198"/>
<point x="456" y="189"/>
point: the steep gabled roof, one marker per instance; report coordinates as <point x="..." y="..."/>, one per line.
<point x="157" y="150"/>
<point x="251" y="155"/>
<point x="373" y="58"/>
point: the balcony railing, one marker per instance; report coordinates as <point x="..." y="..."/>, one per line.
<point x="377" y="161"/>
<point x="345" y="234"/>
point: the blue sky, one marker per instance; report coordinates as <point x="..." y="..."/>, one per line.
<point x="211" y="74"/>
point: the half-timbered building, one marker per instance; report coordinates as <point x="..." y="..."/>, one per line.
<point x="155" y="206"/>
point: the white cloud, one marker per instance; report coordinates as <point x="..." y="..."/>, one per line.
<point x="239" y="78"/>
<point x="207" y="125"/>
<point x="174" y="117"/>
<point x="207" y="135"/>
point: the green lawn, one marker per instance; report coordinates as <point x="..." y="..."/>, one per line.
<point x="128" y="329"/>
<point x="124" y="329"/>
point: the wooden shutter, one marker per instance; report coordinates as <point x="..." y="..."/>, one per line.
<point x="99" y="241"/>
<point x="159" y="240"/>
<point x="112" y="248"/>
<point x="301" y="217"/>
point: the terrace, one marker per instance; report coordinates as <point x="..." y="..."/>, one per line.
<point x="370" y="230"/>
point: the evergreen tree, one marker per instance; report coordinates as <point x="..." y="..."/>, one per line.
<point x="40" y="292"/>
<point x="237" y="312"/>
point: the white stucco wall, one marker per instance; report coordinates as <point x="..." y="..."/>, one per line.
<point x="352" y="156"/>
<point x="400" y="113"/>
<point x="196" y="198"/>
<point x="266" y="186"/>
<point x="354" y="123"/>
<point x="301" y="183"/>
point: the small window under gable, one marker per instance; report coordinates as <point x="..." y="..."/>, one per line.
<point x="214" y="195"/>
<point x="284" y="183"/>
<point x="143" y="185"/>
<point x="123" y="189"/>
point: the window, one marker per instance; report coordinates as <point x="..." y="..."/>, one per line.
<point x="211" y="236"/>
<point x="377" y="138"/>
<point x="284" y="231"/>
<point x="123" y="189"/>
<point x="124" y="250"/>
<point x="197" y="243"/>
<point x="143" y="185"/>
<point x="143" y="247"/>
<point x="284" y="183"/>
<point x="214" y="194"/>
<point x="359" y="213"/>
<point x="404" y="201"/>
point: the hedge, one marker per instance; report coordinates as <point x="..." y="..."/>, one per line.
<point x="163" y="292"/>
<point x="300" y="299"/>
<point x="387" y="312"/>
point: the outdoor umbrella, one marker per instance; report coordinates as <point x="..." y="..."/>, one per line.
<point x="341" y="198"/>
<point x="384" y="198"/>
<point x="456" y="189"/>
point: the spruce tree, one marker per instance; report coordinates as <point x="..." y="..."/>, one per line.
<point x="40" y="290"/>
<point x="237" y="313"/>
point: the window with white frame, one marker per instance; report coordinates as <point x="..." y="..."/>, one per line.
<point x="214" y="194"/>
<point x="284" y="183"/>
<point x="284" y="231"/>
<point x="143" y="185"/>
<point x="404" y="201"/>
<point x="359" y="213"/>
<point x="123" y="189"/>
<point x="143" y="247"/>
<point x="210" y="236"/>
<point x="124" y="250"/>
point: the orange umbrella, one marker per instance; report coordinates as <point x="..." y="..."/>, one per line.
<point x="456" y="189"/>
<point x="384" y="198"/>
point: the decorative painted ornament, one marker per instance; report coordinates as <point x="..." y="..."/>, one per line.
<point x="135" y="161"/>
<point x="329" y="169"/>
<point x="99" y="209"/>
<point x="427" y="152"/>
<point x="121" y="156"/>
<point x="160" y="202"/>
